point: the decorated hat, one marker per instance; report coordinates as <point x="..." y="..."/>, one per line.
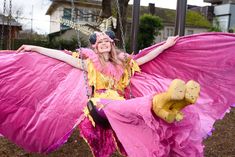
<point x="93" y="37"/>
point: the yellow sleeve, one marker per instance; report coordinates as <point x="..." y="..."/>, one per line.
<point x="134" y="67"/>
<point x="91" y="73"/>
<point x="128" y="72"/>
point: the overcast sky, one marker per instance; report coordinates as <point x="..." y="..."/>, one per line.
<point x="36" y="9"/>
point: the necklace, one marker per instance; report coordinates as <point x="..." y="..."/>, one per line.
<point x="106" y="59"/>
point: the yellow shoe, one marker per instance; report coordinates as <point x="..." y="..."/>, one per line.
<point x="191" y="96"/>
<point x="166" y="115"/>
<point x="176" y="90"/>
<point x="179" y="116"/>
<point x="192" y="92"/>
<point x="163" y="102"/>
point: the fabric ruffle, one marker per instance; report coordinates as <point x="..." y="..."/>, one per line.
<point x="143" y="134"/>
<point x="113" y="71"/>
<point x="102" y="142"/>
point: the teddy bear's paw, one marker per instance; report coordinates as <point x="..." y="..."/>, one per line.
<point x="166" y="115"/>
<point x="192" y="91"/>
<point x="177" y="89"/>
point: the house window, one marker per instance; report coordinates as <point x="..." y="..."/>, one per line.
<point x="87" y="15"/>
<point x="83" y="14"/>
<point x="169" y="32"/>
<point x="93" y="17"/>
<point x="80" y="15"/>
<point x="190" y="32"/>
<point x="67" y="16"/>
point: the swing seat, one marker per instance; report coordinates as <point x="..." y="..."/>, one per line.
<point x="98" y="119"/>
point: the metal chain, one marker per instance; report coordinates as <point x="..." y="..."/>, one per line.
<point x="121" y="26"/>
<point x="72" y="11"/>
<point x="80" y="50"/>
<point x="3" y="21"/>
<point x="124" y="46"/>
<point x="88" y="93"/>
<point x="9" y="23"/>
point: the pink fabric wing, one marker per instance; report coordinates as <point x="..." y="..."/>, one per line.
<point x="207" y="58"/>
<point x="41" y="100"/>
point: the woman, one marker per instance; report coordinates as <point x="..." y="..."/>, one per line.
<point x="108" y="58"/>
<point x="135" y="129"/>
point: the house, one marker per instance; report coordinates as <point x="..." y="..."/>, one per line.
<point x="224" y="14"/>
<point x="11" y="29"/>
<point x="206" y="11"/>
<point x="84" y="12"/>
<point x="195" y="21"/>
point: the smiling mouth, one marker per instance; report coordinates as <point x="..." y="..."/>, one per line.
<point x="104" y="47"/>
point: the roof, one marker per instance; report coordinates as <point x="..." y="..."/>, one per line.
<point x="13" y="22"/>
<point x="220" y="1"/>
<point x="193" y="18"/>
<point x="85" y="3"/>
<point x="58" y="32"/>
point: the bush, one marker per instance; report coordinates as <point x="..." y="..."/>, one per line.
<point x="149" y="27"/>
<point x="216" y="26"/>
<point x="39" y="42"/>
<point x="59" y="44"/>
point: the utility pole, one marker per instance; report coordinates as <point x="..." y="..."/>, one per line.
<point x="180" y="17"/>
<point x="135" y="25"/>
<point x="32" y="22"/>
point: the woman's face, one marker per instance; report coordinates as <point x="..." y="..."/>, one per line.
<point x="104" y="45"/>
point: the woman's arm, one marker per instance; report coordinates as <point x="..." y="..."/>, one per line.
<point x="56" y="54"/>
<point x="154" y="53"/>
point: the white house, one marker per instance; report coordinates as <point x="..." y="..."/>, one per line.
<point x="83" y="12"/>
<point x="224" y="13"/>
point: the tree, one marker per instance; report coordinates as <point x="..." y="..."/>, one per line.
<point x="194" y="18"/>
<point x="106" y="9"/>
<point x="216" y="26"/>
<point x="107" y="12"/>
<point x="123" y="5"/>
<point x="149" y="28"/>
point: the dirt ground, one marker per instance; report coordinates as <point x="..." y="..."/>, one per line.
<point x="220" y="144"/>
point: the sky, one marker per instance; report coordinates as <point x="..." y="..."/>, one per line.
<point x="33" y="11"/>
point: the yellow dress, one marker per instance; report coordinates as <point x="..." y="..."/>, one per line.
<point x="108" y="87"/>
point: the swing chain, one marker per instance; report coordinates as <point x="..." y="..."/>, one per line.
<point x="121" y="26"/>
<point x="88" y="93"/>
<point x="80" y="52"/>
<point x="9" y="24"/>
<point x="81" y="55"/>
<point x="3" y="21"/>
<point x="124" y="46"/>
<point x="72" y="11"/>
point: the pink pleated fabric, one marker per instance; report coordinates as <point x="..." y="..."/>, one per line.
<point x="41" y="100"/>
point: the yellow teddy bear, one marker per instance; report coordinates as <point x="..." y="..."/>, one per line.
<point x="168" y="105"/>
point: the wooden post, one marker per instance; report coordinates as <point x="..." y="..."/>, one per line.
<point x="180" y="17"/>
<point x="135" y="25"/>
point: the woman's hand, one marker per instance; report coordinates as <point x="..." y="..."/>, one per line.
<point x="170" y="42"/>
<point x="155" y="52"/>
<point x="25" y="48"/>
